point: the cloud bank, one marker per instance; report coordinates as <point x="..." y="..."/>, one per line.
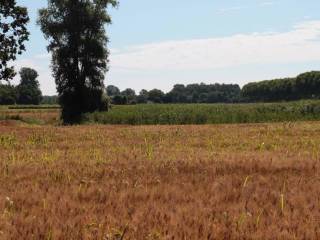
<point x="301" y="44"/>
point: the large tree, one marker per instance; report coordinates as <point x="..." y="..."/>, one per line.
<point x="28" y="90"/>
<point x="78" y="43"/>
<point x="13" y="34"/>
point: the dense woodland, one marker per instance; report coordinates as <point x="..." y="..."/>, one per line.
<point x="193" y="93"/>
<point x="304" y="86"/>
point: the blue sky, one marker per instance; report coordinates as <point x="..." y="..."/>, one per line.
<point x="155" y="44"/>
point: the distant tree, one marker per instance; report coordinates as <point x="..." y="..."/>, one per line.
<point x="304" y="86"/>
<point x="143" y="96"/>
<point x="156" y="96"/>
<point x="130" y="94"/>
<point x="203" y="93"/>
<point x="177" y="94"/>
<point x="213" y="97"/>
<point x="203" y="98"/>
<point x="13" y="34"/>
<point x="78" y="43"/>
<point x="120" y="100"/>
<point x="50" y="100"/>
<point x="308" y="84"/>
<point x="112" y="91"/>
<point x="28" y="90"/>
<point x="8" y="94"/>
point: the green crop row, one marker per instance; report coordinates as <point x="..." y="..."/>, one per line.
<point x="149" y="114"/>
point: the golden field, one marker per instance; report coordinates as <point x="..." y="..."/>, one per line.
<point x="255" y="181"/>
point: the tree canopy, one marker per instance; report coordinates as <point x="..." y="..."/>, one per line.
<point x="28" y="91"/>
<point x="112" y="90"/>
<point x="13" y="34"/>
<point x="193" y="93"/>
<point x="304" y="86"/>
<point x="8" y="94"/>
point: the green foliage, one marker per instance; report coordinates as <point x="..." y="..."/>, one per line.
<point x="28" y="90"/>
<point x="8" y="94"/>
<point x="156" y="96"/>
<point x="305" y="86"/>
<point x="120" y="100"/>
<point x="112" y="91"/>
<point x="208" y="113"/>
<point x="143" y="96"/>
<point x="204" y="93"/>
<point x="130" y="95"/>
<point x="49" y="100"/>
<point x="13" y="34"/>
<point x="78" y="42"/>
<point x="193" y="93"/>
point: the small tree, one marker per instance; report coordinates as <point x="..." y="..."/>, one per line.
<point x="28" y="90"/>
<point x="78" y="43"/>
<point x="13" y="34"/>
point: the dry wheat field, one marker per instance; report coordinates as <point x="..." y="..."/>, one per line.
<point x="255" y="181"/>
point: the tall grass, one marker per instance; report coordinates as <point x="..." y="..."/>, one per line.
<point x="150" y="114"/>
<point x="255" y="181"/>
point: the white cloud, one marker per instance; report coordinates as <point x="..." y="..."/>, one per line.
<point x="301" y="44"/>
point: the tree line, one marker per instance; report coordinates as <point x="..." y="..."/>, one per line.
<point x="193" y="93"/>
<point x="304" y="86"/>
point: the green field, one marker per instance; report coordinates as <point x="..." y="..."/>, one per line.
<point x="175" y="114"/>
<point x="150" y="114"/>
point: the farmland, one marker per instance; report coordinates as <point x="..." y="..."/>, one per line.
<point x="149" y="114"/>
<point x="38" y="115"/>
<point x="236" y="181"/>
<point x="174" y="114"/>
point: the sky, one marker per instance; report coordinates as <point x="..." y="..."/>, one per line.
<point x="156" y="44"/>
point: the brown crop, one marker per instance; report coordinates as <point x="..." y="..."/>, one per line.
<point x="160" y="182"/>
